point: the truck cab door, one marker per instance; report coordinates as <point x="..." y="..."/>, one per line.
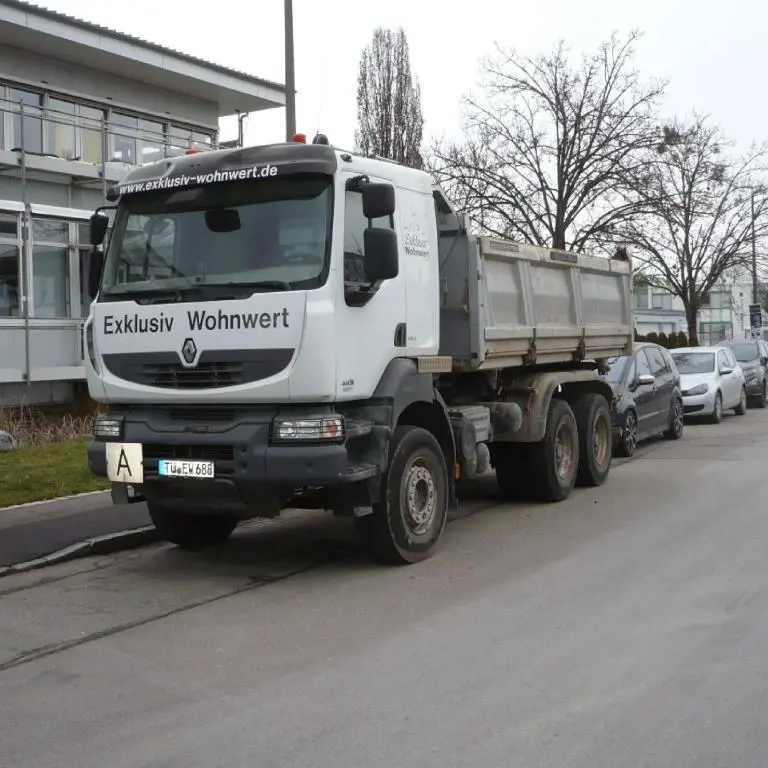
<point x="370" y="322"/>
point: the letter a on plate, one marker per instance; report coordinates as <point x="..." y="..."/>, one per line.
<point x="125" y="463"/>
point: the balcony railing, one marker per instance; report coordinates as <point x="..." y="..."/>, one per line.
<point x="89" y="135"/>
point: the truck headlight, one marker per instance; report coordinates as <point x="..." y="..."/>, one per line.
<point x="699" y="389"/>
<point x="327" y="429"/>
<point x="108" y="427"/>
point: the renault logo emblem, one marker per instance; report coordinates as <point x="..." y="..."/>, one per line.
<point x="189" y="351"/>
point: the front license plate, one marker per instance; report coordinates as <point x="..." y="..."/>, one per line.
<point x="175" y="468"/>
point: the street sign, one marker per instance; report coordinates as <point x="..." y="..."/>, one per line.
<point x="755" y="316"/>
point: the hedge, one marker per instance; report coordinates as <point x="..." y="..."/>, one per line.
<point x="672" y="340"/>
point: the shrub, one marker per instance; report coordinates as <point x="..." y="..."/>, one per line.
<point x="682" y="339"/>
<point x="652" y="337"/>
<point x="663" y="339"/>
<point x="33" y="426"/>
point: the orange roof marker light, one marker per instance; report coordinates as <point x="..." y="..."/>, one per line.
<point x="299" y="138"/>
<point x="191" y="151"/>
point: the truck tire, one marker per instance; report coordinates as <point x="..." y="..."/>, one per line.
<point x="190" y="531"/>
<point x="552" y="463"/>
<point x="510" y="470"/>
<point x="595" y="425"/>
<point x="405" y="527"/>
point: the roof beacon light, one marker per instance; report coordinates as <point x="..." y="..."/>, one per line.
<point x="321" y="138"/>
<point x="299" y="138"/>
<point x="191" y="151"/>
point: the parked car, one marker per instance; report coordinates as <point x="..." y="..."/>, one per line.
<point x="647" y="397"/>
<point x="752" y="356"/>
<point x="712" y="382"/>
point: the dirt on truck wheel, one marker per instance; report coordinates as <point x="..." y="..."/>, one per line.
<point x="552" y="463"/>
<point x="405" y="527"/>
<point x="595" y="425"/>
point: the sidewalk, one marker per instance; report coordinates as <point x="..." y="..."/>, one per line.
<point x="36" y="530"/>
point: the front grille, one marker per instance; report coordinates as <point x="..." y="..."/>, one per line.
<point x="215" y="369"/>
<point x="205" y="376"/>
<point x="202" y="413"/>
<point x="195" y="452"/>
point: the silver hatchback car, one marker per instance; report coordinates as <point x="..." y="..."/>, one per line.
<point x="711" y="382"/>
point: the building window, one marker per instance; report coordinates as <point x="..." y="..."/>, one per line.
<point x="182" y="139"/>
<point x="92" y="126"/>
<point x="62" y="138"/>
<point x="50" y="268"/>
<point x="152" y="141"/>
<point x="10" y="288"/>
<point x="28" y="131"/>
<point x="59" y="126"/>
<point x="124" y="132"/>
<point x="641" y="298"/>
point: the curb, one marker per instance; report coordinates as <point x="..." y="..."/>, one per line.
<point x="53" y="501"/>
<point x="99" y="545"/>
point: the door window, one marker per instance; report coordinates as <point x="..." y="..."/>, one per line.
<point x="355" y="225"/>
<point x="656" y="361"/>
<point x="722" y="360"/>
<point x="643" y="367"/>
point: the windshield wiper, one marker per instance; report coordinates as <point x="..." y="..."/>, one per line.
<point x="149" y="295"/>
<point x="280" y="285"/>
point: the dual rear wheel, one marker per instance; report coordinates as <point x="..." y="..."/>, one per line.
<point x="576" y="451"/>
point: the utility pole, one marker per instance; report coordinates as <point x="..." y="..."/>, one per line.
<point x="754" y="251"/>
<point x="290" y="75"/>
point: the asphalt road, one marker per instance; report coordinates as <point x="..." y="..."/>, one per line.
<point x="627" y="626"/>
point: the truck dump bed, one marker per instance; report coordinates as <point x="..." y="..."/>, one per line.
<point x="506" y="304"/>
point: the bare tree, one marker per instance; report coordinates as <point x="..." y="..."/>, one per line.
<point x="706" y="207"/>
<point x="389" y="101"/>
<point x="549" y="149"/>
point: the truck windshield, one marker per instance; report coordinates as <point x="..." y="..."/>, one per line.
<point x="266" y="234"/>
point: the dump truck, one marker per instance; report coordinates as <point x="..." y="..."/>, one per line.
<point x="295" y="326"/>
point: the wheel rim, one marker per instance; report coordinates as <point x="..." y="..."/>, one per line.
<point x="419" y="497"/>
<point x="601" y="440"/>
<point x="564" y="451"/>
<point x="630" y="433"/>
<point x="677" y="418"/>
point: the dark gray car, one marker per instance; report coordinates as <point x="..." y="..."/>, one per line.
<point x="752" y="356"/>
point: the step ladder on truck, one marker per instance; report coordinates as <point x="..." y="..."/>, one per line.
<point x="295" y="326"/>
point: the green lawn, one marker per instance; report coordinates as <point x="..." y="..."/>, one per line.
<point x="46" y="472"/>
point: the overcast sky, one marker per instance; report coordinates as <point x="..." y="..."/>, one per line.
<point x="713" y="52"/>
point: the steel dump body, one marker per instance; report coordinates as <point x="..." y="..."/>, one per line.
<point x="506" y="304"/>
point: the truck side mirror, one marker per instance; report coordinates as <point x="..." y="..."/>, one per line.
<point x="99" y="226"/>
<point x="378" y="200"/>
<point x="95" y="268"/>
<point x="381" y="261"/>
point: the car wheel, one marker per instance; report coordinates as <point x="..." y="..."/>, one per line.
<point x="717" y="413"/>
<point x="628" y="443"/>
<point x="675" y="431"/>
<point x="741" y="408"/>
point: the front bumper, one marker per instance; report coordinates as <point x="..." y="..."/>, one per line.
<point x="754" y="387"/>
<point x="699" y="405"/>
<point x="251" y="471"/>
